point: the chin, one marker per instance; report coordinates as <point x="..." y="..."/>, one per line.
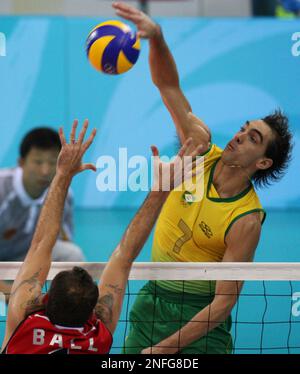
<point x="228" y="159"/>
<point x="226" y="156"/>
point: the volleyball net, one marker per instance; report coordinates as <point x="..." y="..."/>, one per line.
<point x="265" y="319"/>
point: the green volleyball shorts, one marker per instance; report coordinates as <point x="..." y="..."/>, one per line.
<point x="157" y="313"/>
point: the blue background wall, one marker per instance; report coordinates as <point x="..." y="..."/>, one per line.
<point x="231" y="70"/>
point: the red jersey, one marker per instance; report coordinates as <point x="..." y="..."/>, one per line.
<point x="37" y="335"/>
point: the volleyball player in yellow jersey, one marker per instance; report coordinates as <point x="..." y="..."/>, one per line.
<point x="225" y="225"/>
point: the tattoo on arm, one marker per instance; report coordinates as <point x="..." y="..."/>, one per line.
<point x="115" y="288"/>
<point x="34" y="301"/>
<point x="33" y="281"/>
<point x="104" y="308"/>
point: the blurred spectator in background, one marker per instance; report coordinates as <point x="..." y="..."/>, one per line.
<point x="22" y="193"/>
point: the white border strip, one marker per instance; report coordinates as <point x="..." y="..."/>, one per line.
<point x="179" y="270"/>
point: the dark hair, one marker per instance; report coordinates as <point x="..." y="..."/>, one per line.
<point x="279" y="150"/>
<point x="72" y="297"/>
<point x="40" y="137"/>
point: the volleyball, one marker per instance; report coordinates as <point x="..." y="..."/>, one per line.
<point x="112" y="47"/>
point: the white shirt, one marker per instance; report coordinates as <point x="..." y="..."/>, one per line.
<point x="19" y="214"/>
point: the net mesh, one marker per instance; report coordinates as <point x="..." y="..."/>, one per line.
<point x="265" y="319"/>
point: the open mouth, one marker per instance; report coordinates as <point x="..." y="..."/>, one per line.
<point x="230" y="146"/>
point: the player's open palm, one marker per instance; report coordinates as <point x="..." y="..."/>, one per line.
<point x="69" y="161"/>
<point x="169" y="175"/>
<point x="146" y="27"/>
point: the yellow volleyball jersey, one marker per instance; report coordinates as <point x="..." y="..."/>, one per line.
<point x="188" y="231"/>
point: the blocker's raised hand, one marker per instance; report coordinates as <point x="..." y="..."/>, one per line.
<point x="169" y="175"/>
<point x="69" y="162"/>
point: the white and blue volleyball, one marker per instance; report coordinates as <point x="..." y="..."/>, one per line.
<point x="112" y="47"/>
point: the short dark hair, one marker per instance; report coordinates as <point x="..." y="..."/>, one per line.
<point x="39" y="137"/>
<point x="72" y="297"/>
<point x="279" y="149"/>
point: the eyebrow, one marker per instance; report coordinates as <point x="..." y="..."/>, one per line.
<point x="256" y="131"/>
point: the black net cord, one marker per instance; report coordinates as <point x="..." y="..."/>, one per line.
<point x="236" y="318"/>
<point x="263" y="319"/>
<point x="127" y="313"/>
<point x="290" y="319"/>
<point x="208" y="319"/>
<point x="181" y="321"/>
<point x="153" y="320"/>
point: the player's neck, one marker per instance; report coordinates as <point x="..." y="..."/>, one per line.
<point x="229" y="181"/>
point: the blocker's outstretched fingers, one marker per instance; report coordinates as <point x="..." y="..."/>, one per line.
<point x="83" y="131"/>
<point x="185" y="146"/>
<point x="73" y="132"/>
<point x="198" y="151"/>
<point x="90" y="140"/>
<point x="155" y="151"/>
<point x="62" y="136"/>
<point x="88" y="167"/>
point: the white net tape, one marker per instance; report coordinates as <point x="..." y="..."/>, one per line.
<point x="178" y="270"/>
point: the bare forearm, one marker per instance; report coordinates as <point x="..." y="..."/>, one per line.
<point x="200" y="325"/>
<point x="49" y="222"/>
<point x="162" y="64"/>
<point x="141" y="225"/>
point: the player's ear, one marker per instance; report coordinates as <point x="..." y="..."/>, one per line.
<point x="264" y="163"/>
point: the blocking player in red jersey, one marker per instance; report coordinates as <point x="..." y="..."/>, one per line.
<point x="76" y="316"/>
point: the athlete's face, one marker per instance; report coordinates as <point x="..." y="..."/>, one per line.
<point x="39" y="167"/>
<point x="248" y="146"/>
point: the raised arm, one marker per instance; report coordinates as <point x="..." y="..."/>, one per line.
<point x="26" y="290"/>
<point x="165" y="77"/>
<point x="114" y="279"/>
